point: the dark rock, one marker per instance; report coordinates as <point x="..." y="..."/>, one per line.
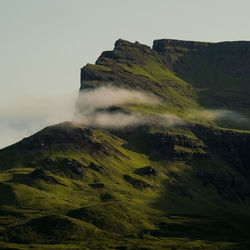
<point x="233" y="147"/>
<point x="97" y="185"/>
<point x="162" y="145"/>
<point x="113" y="109"/>
<point x="107" y="197"/>
<point x="137" y="183"/>
<point x="125" y="50"/>
<point x="66" y="166"/>
<point x="96" y="167"/>
<point x="40" y="173"/>
<point x="148" y="170"/>
<point x="74" y="168"/>
<point x="182" y="155"/>
<point x="170" y="45"/>
<point x="174" y="175"/>
<point x="49" y="161"/>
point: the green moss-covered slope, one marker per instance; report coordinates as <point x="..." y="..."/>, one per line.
<point x="77" y="185"/>
<point x="146" y="187"/>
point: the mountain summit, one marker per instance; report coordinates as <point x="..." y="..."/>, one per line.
<point x="156" y="157"/>
<point x="188" y="76"/>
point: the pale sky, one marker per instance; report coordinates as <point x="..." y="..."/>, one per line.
<point x="44" y="43"/>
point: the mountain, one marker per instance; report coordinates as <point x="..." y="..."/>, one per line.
<point x="189" y="76"/>
<point x="168" y="171"/>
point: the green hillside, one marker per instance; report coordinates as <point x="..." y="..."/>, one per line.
<point x="150" y="186"/>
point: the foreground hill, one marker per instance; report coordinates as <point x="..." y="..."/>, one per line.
<point x="150" y="186"/>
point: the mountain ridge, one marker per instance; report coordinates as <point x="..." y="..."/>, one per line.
<point x="208" y="85"/>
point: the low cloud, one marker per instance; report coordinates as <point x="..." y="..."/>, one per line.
<point x="223" y="114"/>
<point x="92" y="108"/>
<point x="90" y="100"/>
<point x="220" y="115"/>
<point x="169" y="120"/>
<point x="25" y="115"/>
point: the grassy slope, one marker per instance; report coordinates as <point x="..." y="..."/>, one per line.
<point x="69" y="210"/>
<point x="176" y="94"/>
<point x="177" y="208"/>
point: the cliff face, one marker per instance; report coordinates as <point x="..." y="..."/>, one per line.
<point x="114" y="67"/>
<point x="169" y="46"/>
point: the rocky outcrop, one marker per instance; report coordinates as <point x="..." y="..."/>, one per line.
<point x="66" y="166"/>
<point x="74" y="168"/>
<point x="113" y="67"/>
<point x="96" y="167"/>
<point x="164" y="46"/>
<point x="175" y="147"/>
<point x="97" y="185"/>
<point x="40" y="174"/>
<point x="147" y="171"/>
<point x="232" y="146"/>
<point x="140" y="184"/>
<point x="128" y="51"/>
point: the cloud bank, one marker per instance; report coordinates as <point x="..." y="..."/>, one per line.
<point x="217" y="115"/>
<point x="223" y="114"/>
<point x="25" y="115"/>
<point x="95" y="107"/>
<point x="104" y="97"/>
